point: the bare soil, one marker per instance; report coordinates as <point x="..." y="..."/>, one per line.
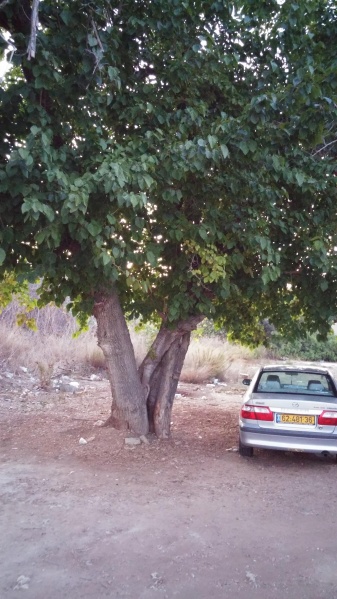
<point x="186" y="518"/>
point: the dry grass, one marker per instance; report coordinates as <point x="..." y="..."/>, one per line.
<point x="48" y="355"/>
<point x="141" y="342"/>
<point x="211" y="358"/>
<point x="49" y="351"/>
<point x="53" y="350"/>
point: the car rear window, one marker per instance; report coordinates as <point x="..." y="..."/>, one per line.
<point x="308" y="383"/>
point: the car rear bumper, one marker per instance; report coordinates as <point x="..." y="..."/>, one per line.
<point x="288" y="440"/>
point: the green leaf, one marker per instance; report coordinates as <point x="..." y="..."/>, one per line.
<point x="276" y="162"/>
<point x="106" y="258"/>
<point x="265" y="277"/>
<point x="300" y="178"/>
<point x="263" y="242"/>
<point x="224" y="150"/>
<point x="254" y="118"/>
<point x="148" y="180"/>
<point x="92" y="41"/>
<point x="119" y="174"/>
<point x="134" y="199"/>
<point x="45" y="139"/>
<point x="24" y="153"/>
<point x="94" y="228"/>
<point x="113" y="73"/>
<point x="111" y="219"/>
<point x="212" y="140"/>
<point x="49" y="212"/>
<point x="35" y="130"/>
<point x="40" y="237"/>
<point x="151" y="258"/>
<point x="203" y="233"/>
<point x="252" y="145"/>
<point x="2" y="255"/>
<point x="244" y="147"/>
<point x="66" y="16"/>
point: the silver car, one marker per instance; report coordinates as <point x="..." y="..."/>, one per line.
<point x="289" y="408"/>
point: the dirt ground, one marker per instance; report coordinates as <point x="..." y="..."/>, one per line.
<point x="186" y="518"/>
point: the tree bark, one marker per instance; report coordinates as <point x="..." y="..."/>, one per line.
<point x="160" y="373"/>
<point x="170" y="368"/>
<point x="128" y="409"/>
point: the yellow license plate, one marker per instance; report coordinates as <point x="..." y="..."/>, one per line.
<point x="294" y="419"/>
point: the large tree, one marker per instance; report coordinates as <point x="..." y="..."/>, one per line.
<point x="171" y="160"/>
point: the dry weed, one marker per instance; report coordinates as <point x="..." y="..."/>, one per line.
<point x="45" y="372"/>
<point x="209" y="358"/>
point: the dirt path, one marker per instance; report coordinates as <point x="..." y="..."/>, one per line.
<point x="185" y="519"/>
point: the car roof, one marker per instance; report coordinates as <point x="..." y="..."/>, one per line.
<point x="294" y="368"/>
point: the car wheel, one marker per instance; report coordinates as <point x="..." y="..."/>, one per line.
<point x="245" y="451"/>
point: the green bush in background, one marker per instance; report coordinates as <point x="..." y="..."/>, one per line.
<point x="306" y="348"/>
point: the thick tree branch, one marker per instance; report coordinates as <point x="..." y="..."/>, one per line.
<point x="162" y="344"/>
<point x="33" y="30"/>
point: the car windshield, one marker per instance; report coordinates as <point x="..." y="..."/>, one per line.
<point x="308" y="383"/>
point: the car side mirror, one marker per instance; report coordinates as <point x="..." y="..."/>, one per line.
<point x="246" y="381"/>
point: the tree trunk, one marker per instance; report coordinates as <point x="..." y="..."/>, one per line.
<point x="170" y="368"/>
<point x="160" y="372"/>
<point x="161" y="345"/>
<point x="128" y="409"/>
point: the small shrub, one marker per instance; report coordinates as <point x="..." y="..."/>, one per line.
<point x="45" y="372"/>
<point x="190" y="374"/>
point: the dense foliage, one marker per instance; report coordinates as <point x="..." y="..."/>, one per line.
<point x="183" y="152"/>
<point x="305" y="348"/>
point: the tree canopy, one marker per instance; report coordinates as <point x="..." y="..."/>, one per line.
<point x="182" y="153"/>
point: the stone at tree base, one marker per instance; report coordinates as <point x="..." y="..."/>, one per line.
<point x="132" y="441"/>
<point x="71" y="387"/>
<point x="22" y="583"/>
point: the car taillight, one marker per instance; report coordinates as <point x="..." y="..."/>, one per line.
<point x="257" y="413"/>
<point x="327" y="418"/>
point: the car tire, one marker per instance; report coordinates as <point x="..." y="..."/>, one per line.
<point x="245" y="451"/>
